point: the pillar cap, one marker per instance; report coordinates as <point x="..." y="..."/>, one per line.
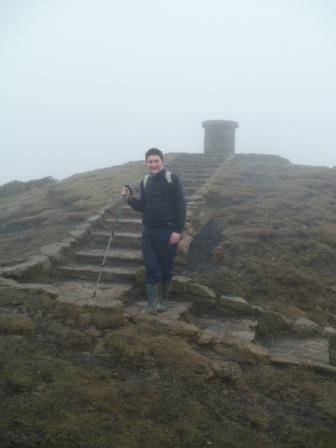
<point x="220" y="123"/>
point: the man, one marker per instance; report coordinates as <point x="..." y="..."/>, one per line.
<point x="163" y="209"/>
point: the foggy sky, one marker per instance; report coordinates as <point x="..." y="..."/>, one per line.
<point x="87" y="84"/>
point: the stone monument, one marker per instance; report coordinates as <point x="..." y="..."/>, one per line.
<point x="219" y="138"/>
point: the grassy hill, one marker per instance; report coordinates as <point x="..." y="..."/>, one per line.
<point x="36" y="213"/>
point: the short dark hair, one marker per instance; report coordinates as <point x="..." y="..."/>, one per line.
<point x="154" y="152"/>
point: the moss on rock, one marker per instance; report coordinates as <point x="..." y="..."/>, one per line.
<point x="163" y="350"/>
<point x="16" y="324"/>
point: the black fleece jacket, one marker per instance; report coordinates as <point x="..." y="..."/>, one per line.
<point x="161" y="202"/>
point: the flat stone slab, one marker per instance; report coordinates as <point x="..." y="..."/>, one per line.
<point x="81" y="293"/>
<point x="243" y="329"/>
<point x="314" y="349"/>
<point x="174" y="311"/>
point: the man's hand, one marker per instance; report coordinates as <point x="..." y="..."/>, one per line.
<point x="175" y="238"/>
<point x="125" y="193"/>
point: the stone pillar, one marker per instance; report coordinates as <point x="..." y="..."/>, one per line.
<point x="219" y="138"/>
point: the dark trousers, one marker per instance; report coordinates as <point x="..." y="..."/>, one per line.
<point x="158" y="254"/>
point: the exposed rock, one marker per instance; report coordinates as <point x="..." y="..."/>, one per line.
<point x="95" y="219"/>
<point x="54" y="251"/>
<point x="272" y="322"/>
<point x="79" y="234"/>
<point x="284" y="360"/>
<point x="303" y="348"/>
<point x="201" y="290"/>
<point x="292" y="360"/>
<point x="242" y="351"/>
<point x="207" y="302"/>
<point x="35" y="265"/>
<point x="180" y="261"/>
<point x="180" y="283"/>
<point x="233" y="303"/>
<point x="320" y="366"/>
<point x="38" y="287"/>
<point x="219" y="329"/>
<point x="16" y="324"/>
<point x="304" y="326"/>
<point x="257" y="309"/>
<point x="176" y="311"/>
<point x="332" y="350"/>
<point x="227" y="370"/>
<point x="176" y="328"/>
<point x="327" y="332"/>
<point x="7" y="281"/>
<point x="208" y="337"/>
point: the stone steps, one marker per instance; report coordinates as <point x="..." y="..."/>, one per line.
<point x="115" y="257"/>
<point x="126" y="224"/>
<point x="127" y="212"/>
<point x="80" y="270"/>
<point x="120" y="240"/>
<point x="91" y="272"/>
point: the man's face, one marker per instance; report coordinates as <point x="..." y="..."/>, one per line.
<point x="154" y="164"/>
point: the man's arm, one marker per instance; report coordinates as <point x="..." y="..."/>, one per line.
<point x="180" y="205"/>
<point x="137" y="203"/>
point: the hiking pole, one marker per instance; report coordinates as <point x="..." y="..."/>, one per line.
<point x="113" y="229"/>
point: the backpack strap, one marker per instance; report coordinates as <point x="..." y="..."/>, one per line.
<point x="169" y="178"/>
<point x="145" y="179"/>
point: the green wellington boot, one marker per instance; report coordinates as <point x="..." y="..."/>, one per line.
<point x="152" y="298"/>
<point x="164" y="293"/>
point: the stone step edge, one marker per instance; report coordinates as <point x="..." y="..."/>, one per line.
<point x="315" y="365"/>
<point x="120" y="253"/>
<point x="50" y="290"/>
<point x="96" y="269"/>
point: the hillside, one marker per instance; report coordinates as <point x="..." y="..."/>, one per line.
<point x="245" y="356"/>
<point x="41" y="214"/>
<point x="271" y="236"/>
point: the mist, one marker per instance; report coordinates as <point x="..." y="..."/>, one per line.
<point x="91" y="84"/>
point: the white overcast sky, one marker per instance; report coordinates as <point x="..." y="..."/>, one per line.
<point x="86" y="84"/>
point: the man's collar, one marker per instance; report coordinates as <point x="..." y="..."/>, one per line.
<point x="157" y="174"/>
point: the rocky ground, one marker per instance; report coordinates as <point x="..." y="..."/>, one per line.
<point x="74" y="378"/>
<point x="246" y="361"/>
